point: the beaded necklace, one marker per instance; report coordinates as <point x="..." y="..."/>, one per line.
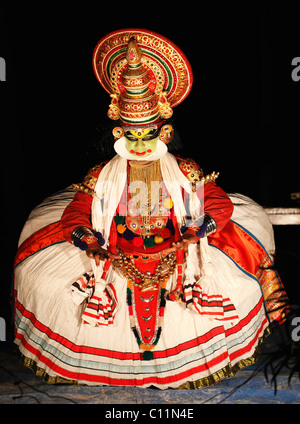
<point x="146" y="222"/>
<point x="148" y="207"/>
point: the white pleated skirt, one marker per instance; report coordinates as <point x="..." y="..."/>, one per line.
<point x="193" y="350"/>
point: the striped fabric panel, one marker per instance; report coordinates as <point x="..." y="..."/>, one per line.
<point x="213" y="305"/>
<point x="101" y="310"/>
<point x="193" y="359"/>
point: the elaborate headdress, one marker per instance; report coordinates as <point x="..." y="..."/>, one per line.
<point x="145" y="73"/>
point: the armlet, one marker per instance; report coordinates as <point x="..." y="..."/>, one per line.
<point x="193" y="172"/>
<point x="89" y="183"/>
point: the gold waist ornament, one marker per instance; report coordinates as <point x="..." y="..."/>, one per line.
<point x="145" y="281"/>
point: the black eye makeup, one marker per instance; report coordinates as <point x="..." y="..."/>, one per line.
<point x="130" y="136"/>
<point x="149" y="136"/>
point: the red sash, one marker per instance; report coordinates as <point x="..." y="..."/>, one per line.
<point x="39" y="240"/>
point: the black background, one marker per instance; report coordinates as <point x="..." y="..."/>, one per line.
<point x="241" y="117"/>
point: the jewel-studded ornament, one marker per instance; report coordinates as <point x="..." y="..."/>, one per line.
<point x="145" y="73"/>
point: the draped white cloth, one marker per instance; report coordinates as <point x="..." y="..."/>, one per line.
<point x="113" y="179"/>
<point x="192" y="347"/>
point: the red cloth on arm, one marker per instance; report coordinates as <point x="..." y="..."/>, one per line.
<point x="217" y="204"/>
<point x="77" y="214"/>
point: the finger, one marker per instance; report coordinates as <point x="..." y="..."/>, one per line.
<point x="173" y="249"/>
<point x="97" y="259"/>
<point x="178" y="245"/>
<point x="90" y="255"/>
<point x="113" y="256"/>
<point x="169" y="250"/>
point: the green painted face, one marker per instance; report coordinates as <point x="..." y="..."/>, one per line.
<point x="141" y="143"/>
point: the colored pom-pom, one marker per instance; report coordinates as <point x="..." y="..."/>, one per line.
<point x="183" y="229"/>
<point x="137" y="241"/>
<point x="149" y="242"/>
<point x="158" y="239"/>
<point x="76" y="242"/>
<point x="168" y="203"/>
<point x="147" y="355"/>
<point x="128" y="235"/>
<point x="101" y="241"/>
<point x="121" y="229"/>
<point x="202" y="230"/>
<point x="83" y="245"/>
<point x="100" y="238"/>
<point x="119" y="219"/>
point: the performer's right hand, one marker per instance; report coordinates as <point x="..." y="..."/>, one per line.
<point x="100" y="254"/>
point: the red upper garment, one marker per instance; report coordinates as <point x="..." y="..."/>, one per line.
<point x="78" y="213"/>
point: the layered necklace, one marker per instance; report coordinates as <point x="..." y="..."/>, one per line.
<point x="148" y="207"/>
<point x="147" y="214"/>
<point x="146" y="195"/>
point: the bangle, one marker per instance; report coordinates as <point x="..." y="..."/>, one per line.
<point x="211" y="226"/>
<point x="79" y="233"/>
<point x="207" y="227"/>
<point x="83" y="237"/>
<point x="202" y="231"/>
<point x="100" y="238"/>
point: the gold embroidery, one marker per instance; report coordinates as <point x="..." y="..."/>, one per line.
<point x="210" y="177"/>
<point x="226" y="372"/>
<point x="89" y="183"/>
<point x="194" y="173"/>
<point x="275" y="298"/>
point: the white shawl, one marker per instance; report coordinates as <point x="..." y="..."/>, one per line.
<point x="112" y="181"/>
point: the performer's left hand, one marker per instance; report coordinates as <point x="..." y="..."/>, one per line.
<point x="100" y="254"/>
<point x="182" y="243"/>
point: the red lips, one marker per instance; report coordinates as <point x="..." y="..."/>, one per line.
<point x="140" y="154"/>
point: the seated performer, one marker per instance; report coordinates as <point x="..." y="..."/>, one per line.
<point x="150" y="274"/>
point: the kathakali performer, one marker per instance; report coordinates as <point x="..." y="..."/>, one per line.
<point x="147" y="273"/>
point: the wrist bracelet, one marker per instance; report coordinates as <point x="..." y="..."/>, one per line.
<point x="207" y="227"/>
<point x="211" y="226"/>
<point x="83" y="237"/>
